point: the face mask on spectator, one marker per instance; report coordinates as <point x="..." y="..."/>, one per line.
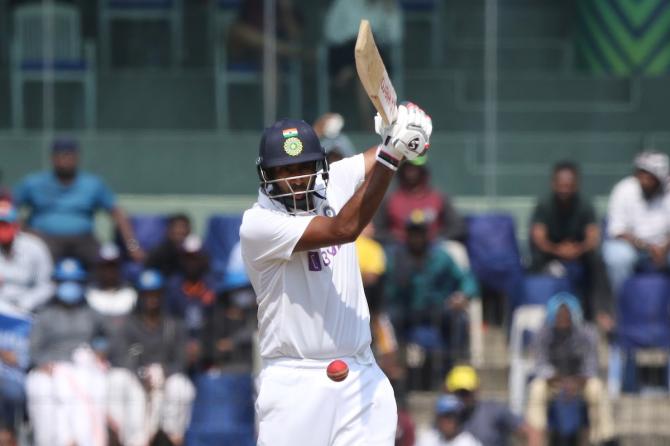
<point x="70" y="292"/>
<point x="7" y="233"/>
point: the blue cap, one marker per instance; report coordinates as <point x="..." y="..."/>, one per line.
<point x="64" y="145"/>
<point x="69" y="269"/>
<point x="448" y="405"/>
<point x="289" y="141"/>
<point x="150" y="280"/>
<point x="8" y="212"/>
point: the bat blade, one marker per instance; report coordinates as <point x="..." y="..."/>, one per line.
<point x="373" y="75"/>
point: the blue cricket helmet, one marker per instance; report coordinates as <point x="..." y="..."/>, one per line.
<point x="287" y="142"/>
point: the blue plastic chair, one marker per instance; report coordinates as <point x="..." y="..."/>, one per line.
<point x="539" y="288"/>
<point x="223" y="410"/>
<point x="149" y="231"/>
<point x="221" y="235"/>
<point x="643" y="323"/>
<point x="494" y="253"/>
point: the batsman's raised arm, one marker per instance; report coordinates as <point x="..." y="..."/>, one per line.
<point x="407" y="137"/>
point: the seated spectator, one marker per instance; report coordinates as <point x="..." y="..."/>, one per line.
<point x="372" y="261"/>
<point x="66" y="387"/>
<point x="341" y="25"/>
<point x="427" y="289"/>
<point x="63" y="203"/>
<point x="564" y="238"/>
<point x="490" y="422"/>
<point x="448" y="429"/>
<point x="165" y="256"/>
<point x="246" y="35"/>
<point x="150" y="395"/>
<point x="639" y="220"/>
<point x="230" y="326"/>
<point x="109" y="295"/>
<point x="567" y="363"/>
<point x="25" y="266"/>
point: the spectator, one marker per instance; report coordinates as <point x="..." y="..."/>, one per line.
<point x="490" y="422"/>
<point x="165" y="257"/>
<point x="25" y="266"/>
<point x="149" y="394"/>
<point x="336" y="144"/>
<point x="340" y="31"/>
<point x="639" y="220"/>
<point x="63" y="203"/>
<point x="567" y="363"/>
<point x="66" y="387"/>
<point x="427" y="289"/>
<point x="372" y="261"/>
<point x="109" y="295"/>
<point x="564" y="241"/>
<point x="190" y="293"/>
<point x="246" y="37"/>
<point x="448" y="430"/>
<point x="230" y="326"/>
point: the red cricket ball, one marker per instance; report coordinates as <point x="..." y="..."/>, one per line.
<point x="337" y="370"/>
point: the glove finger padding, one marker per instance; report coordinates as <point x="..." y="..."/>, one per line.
<point x="411" y="132"/>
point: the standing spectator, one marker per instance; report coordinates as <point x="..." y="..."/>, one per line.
<point x="62" y="205"/>
<point x="564" y="238"/>
<point x="567" y="363"/>
<point x="109" y="295"/>
<point x="448" y="430"/>
<point x="639" y="220"/>
<point x="25" y="266"/>
<point x="165" y="256"/>
<point x="149" y="393"/>
<point x="66" y="387"/>
<point x="340" y="31"/>
<point x="491" y="422"/>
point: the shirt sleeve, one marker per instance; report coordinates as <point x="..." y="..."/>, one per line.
<point x="539" y="215"/>
<point x="266" y="235"/>
<point x="617" y="222"/>
<point x="347" y="175"/>
<point x="105" y="197"/>
<point x="42" y="288"/>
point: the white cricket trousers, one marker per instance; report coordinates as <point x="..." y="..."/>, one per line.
<point x="137" y="416"/>
<point x="67" y="406"/>
<point x="298" y="404"/>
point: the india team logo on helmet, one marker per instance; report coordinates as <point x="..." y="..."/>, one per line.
<point x="288" y="142"/>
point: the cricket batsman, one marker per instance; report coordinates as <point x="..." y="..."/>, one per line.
<point x="320" y="384"/>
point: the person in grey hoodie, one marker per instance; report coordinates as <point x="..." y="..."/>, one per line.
<point x="149" y="391"/>
<point x="66" y="386"/>
<point x="567" y="364"/>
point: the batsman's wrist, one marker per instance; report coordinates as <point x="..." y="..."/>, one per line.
<point x="389" y="157"/>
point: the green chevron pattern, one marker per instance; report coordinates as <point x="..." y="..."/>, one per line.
<point x="624" y="37"/>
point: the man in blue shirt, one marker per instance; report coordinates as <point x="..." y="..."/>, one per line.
<point x="63" y="203"/>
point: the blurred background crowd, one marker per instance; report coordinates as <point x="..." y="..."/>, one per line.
<point x="517" y="280"/>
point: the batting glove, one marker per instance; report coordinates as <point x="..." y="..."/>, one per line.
<point x="408" y="137"/>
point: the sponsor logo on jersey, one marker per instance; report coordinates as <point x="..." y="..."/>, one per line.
<point x="288" y="133"/>
<point x="293" y="146"/>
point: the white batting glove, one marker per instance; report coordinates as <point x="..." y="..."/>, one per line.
<point x="408" y="137"/>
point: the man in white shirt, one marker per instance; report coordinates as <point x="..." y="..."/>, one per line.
<point x="639" y="219"/>
<point x="297" y="248"/>
<point x="25" y="266"/>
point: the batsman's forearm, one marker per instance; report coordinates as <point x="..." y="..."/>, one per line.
<point x="361" y="207"/>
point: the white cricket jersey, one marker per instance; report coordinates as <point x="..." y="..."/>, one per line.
<point x="311" y="304"/>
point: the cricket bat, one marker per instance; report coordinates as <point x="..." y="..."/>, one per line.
<point x="373" y="75"/>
